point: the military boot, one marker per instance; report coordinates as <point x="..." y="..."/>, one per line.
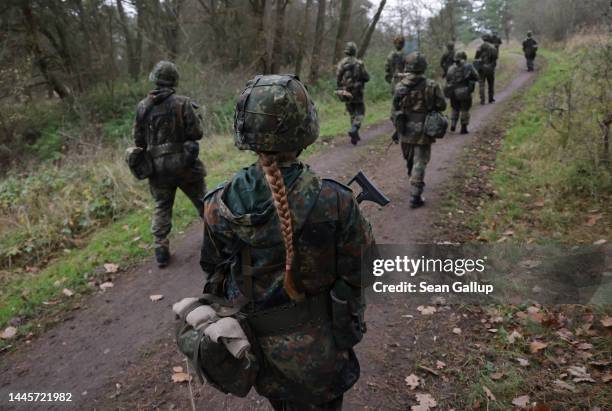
<point x="464" y="129"/>
<point x="162" y="256"/>
<point x="453" y="126"/>
<point x="416" y="201"/>
<point x="354" y="134"/>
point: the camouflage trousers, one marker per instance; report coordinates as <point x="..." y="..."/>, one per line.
<point x="530" y="61"/>
<point x="356" y="110"/>
<point x="163" y="196"/>
<point x="417" y="156"/>
<point x="460" y="109"/>
<point x="487" y="78"/>
<point x="281" y="405"/>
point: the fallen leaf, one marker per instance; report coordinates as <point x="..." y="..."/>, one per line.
<point x="536" y="346"/>
<point x="522" y="362"/>
<point x="457" y="330"/>
<point x="601" y="363"/>
<point x="412" y="381"/>
<point x="606" y="321"/>
<point x="67" y="292"/>
<point x="584" y="346"/>
<point x="492" y="330"/>
<point x="607" y="377"/>
<point x="156" y="297"/>
<point x="177" y="369"/>
<point x="513" y="336"/>
<point x="521" y="401"/>
<point x="179" y="377"/>
<point x="426" y="402"/>
<point x="600" y="242"/>
<point x="111" y="268"/>
<point x="489" y="393"/>
<point x="564" y="385"/>
<point x="440" y="365"/>
<point x="593" y="219"/>
<point x="497" y="376"/>
<point x="8" y="333"/>
<point x="106" y="285"/>
<point x="429" y="310"/>
<point x="579" y="374"/>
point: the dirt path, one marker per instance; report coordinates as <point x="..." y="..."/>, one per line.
<point x="117" y="351"/>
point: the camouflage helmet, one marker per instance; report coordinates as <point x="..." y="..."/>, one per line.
<point x="415" y="63"/>
<point x="460" y="55"/>
<point x="399" y="42"/>
<point x="350" y="49"/>
<point x="529" y="33"/>
<point x="164" y="73"/>
<point x="274" y="113"/>
<point x="486" y="37"/>
<point x="450" y="45"/>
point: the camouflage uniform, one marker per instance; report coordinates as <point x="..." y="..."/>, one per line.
<point x="351" y="75"/>
<point x="164" y="123"/>
<point x="485" y="62"/>
<point x="414" y="97"/>
<point x="530" y="49"/>
<point x="448" y="58"/>
<point x="461" y="80"/>
<point x="496" y="41"/>
<point x="395" y="63"/>
<point x="301" y="367"/>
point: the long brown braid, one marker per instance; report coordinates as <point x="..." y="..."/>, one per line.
<point x="274" y="178"/>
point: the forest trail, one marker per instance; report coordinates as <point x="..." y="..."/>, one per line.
<point x="117" y="351"/>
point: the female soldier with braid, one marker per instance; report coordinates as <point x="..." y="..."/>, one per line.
<point x="286" y="246"/>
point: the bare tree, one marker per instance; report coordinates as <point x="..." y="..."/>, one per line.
<point x="277" y="42"/>
<point x="343" y="27"/>
<point x="315" y="62"/>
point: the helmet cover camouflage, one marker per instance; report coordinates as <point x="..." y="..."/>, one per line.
<point x="275" y="114"/>
<point x="486" y="37"/>
<point x="350" y="49"/>
<point x="399" y="42"/>
<point x="450" y="45"/>
<point x="164" y="73"/>
<point x="460" y="55"/>
<point x="415" y="63"/>
<point x="529" y="33"/>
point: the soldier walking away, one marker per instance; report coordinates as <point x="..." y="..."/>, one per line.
<point x="460" y="84"/>
<point x="395" y="62"/>
<point x="415" y="97"/>
<point x="485" y="62"/>
<point x="530" y="49"/>
<point x="283" y="247"/>
<point x="166" y="128"/>
<point x="448" y="58"/>
<point x="351" y="76"/>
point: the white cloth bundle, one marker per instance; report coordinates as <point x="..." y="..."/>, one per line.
<point x="229" y="331"/>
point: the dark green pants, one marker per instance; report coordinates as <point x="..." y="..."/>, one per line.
<point x="460" y="109"/>
<point x="357" y="111"/>
<point x="417" y="156"/>
<point x="164" y="195"/>
<point x="487" y="78"/>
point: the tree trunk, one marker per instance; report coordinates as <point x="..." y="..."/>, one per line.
<point x="39" y="59"/>
<point x="318" y="40"/>
<point x="368" y="36"/>
<point x="259" y="11"/>
<point x="277" y="45"/>
<point x="302" y="38"/>
<point x="343" y="27"/>
<point x="133" y="64"/>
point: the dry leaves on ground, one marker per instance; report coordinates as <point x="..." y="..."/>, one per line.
<point x="426" y="402"/>
<point x="606" y="321"/>
<point x="67" y="292"/>
<point x="8" y="333"/>
<point x="579" y="374"/>
<point x="156" y="297"/>
<point x="111" y="268"/>
<point x="489" y="393"/>
<point x="521" y="401"/>
<point x="537" y="346"/>
<point x="179" y="377"/>
<point x="412" y="381"/>
<point x="429" y="310"/>
<point x="106" y="285"/>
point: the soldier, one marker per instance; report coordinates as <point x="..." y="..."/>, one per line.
<point x="167" y="128"/>
<point x="285" y="246"/>
<point x="485" y="62"/>
<point x="395" y="62"/>
<point x="415" y="97"/>
<point x="351" y="76"/>
<point x="448" y="58"/>
<point x="530" y="49"/>
<point x="461" y="82"/>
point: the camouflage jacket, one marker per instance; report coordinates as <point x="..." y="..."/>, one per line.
<point x="164" y="118"/>
<point x="351" y="75"/>
<point x="462" y="76"/>
<point x="329" y="232"/>
<point x="486" y="55"/>
<point x="530" y="46"/>
<point x="414" y="97"/>
<point x="394" y="65"/>
<point x="447" y="60"/>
